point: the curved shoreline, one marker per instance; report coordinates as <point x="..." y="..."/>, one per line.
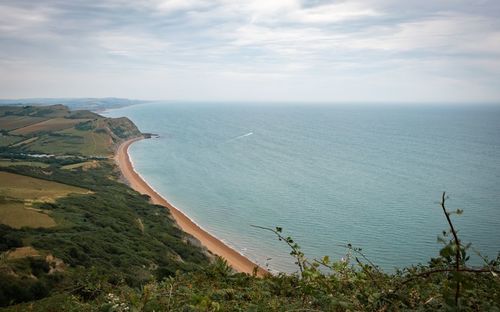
<point x="236" y="260"/>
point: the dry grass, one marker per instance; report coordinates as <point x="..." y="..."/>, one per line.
<point x="94" y="143"/>
<point x="18" y="193"/>
<point x="32" y="189"/>
<point x="84" y="165"/>
<point x="75" y="142"/>
<point x="17" y="215"/>
<point x="9" y="163"/>
<point x="22" y="252"/>
<point x="15" y="122"/>
<point x="24" y="142"/>
<point x="54" y="124"/>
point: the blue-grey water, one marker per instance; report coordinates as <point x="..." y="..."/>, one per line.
<point x="370" y="175"/>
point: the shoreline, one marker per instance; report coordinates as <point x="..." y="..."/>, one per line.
<point x="236" y="260"/>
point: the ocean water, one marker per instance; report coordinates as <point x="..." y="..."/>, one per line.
<point x="369" y="175"/>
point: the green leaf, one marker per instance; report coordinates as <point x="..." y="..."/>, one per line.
<point x="447" y="251"/>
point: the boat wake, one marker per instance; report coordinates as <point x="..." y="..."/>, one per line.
<point x="239" y="137"/>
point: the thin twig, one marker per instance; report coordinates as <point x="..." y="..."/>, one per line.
<point x="356" y="250"/>
<point x="457" y="244"/>
<point x="430" y="272"/>
<point x="493" y="271"/>
<point x="281" y="237"/>
<point x="455" y="236"/>
<point x="368" y="273"/>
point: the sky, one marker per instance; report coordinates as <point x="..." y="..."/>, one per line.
<point x="411" y="51"/>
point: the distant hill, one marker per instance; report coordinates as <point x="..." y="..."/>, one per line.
<point x="93" y="104"/>
<point x="57" y="130"/>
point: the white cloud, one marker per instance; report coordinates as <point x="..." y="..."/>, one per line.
<point x="441" y="33"/>
<point x="374" y="48"/>
<point x="334" y="13"/>
<point x="169" y="6"/>
<point x="19" y="21"/>
<point x="132" y="45"/>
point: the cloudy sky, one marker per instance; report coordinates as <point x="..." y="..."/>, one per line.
<point x="255" y="50"/>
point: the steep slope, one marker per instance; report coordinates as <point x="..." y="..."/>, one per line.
<point x="97" y="224"/>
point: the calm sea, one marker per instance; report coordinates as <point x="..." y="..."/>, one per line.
<point x="369" y="175"/>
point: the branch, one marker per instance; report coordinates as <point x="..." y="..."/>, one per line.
<point x="281" y="237"/>
<point x="457" y="244"/>
<point x="468" y="270"/>
<point x="455" y="236"/>
<point x="358" y="251"/>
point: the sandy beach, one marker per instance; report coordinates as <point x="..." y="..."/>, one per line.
<point x="239" y="262"/>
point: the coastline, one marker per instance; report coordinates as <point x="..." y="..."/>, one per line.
<point x="236" y="260"/>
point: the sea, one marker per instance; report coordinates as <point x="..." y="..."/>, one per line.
<point x="369" y="175"/>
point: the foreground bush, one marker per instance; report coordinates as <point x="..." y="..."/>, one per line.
<point x="446" y="283"/>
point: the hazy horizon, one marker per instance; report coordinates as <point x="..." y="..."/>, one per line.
<point x="54" y="100"/>
<point x="254" y="51"/>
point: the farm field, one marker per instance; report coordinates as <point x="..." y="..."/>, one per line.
<point x="16" y="122"/>
<point x="18" y="193"/>
<point x="55" y="144"/>
<point x="30" y="189"/>
<point x="55" y="130"/>
<point x="17" y="215"/>
<point x="10" y="163"/>
<point x="72" y="142"/>
<point x="84" y="165"/>
<point x="6" y="140"/>
<point x="94" y="143"/>
<point x="24" y="142"/>
<point x="54" y="124"/>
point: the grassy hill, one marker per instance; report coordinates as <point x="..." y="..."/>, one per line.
<point x="73" y="237"/>
<point x="64" y="216"/>
<point x="56" y="130"/>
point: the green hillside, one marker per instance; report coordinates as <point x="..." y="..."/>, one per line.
<point x="56" y="130"/>
<point x="69" y="214"/>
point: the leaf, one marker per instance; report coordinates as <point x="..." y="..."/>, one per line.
<point x="447" y="251"/>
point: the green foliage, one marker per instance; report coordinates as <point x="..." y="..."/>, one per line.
<point x="85" y="126"/>
<point x="352" y="284"/>
<point x="9" y="238"/>
<point x="99" y="232"/>
<point x="27" y="280"/>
